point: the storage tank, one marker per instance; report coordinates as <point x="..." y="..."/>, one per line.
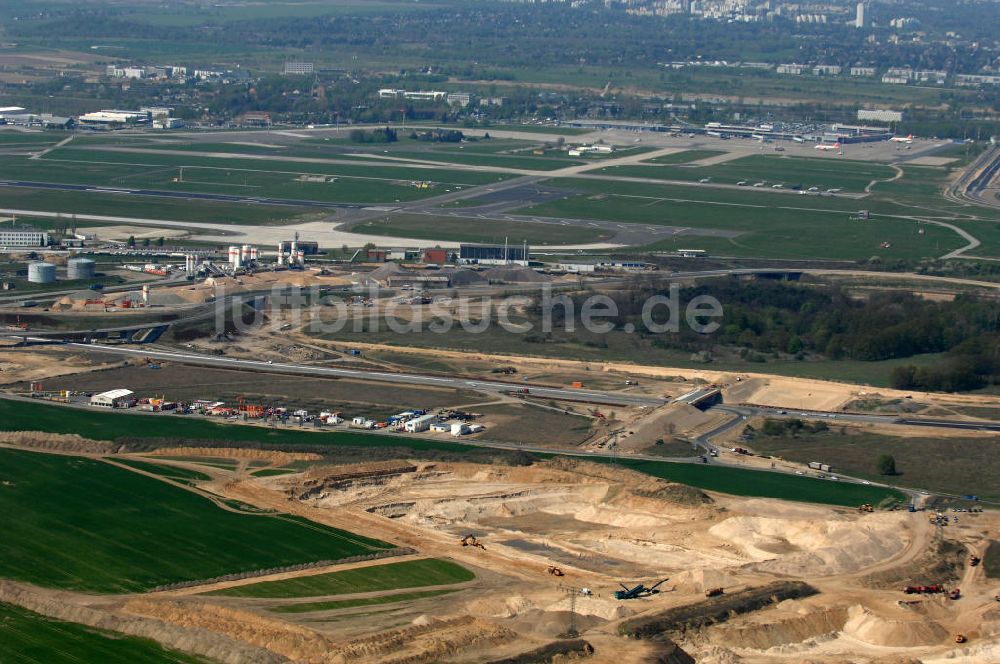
<point x="41" y="273"/>
<point x="234" y="256"/>
<point x="80" y="268"/>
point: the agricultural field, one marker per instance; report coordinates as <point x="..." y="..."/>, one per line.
<point x="391" y="576"/>
<point x="952" y="465"/>
<point x="308" y="607"/>
<point x="87" y="525"/>
<point x="27" y="637"/>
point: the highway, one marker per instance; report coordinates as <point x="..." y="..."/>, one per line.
<point x="586" y="396"/>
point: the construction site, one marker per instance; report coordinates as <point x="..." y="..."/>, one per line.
<point x="570" y="560"/>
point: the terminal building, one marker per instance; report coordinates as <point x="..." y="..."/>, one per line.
<point x="494" y="254"/>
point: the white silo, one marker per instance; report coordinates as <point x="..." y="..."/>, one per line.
<point x="234" y="256"/>
<point x="80" y="268"/>
<point x="41" y="273"/>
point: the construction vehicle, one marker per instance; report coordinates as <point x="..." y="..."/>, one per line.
<point x="638" y="591"/>
<point x="974" y="560"/>
<point x="867" y="507"/>
<point x="960" y="638"/>
<point x="555" y="571"/>
<point x="470" y="540"/>
<point x="955" y="593"/>
<point x="714" y="592"/>
<point x="923" y="590"/>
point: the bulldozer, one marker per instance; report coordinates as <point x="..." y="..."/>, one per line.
<point x="974" y="560"/>
<point x="470" y="540"/>
<point x="867" y="507"/>
<point x="555" y="571"/>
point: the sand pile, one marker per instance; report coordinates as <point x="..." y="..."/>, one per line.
<point x="292" y="641"/>
<point x="791" y="623"/>
<point x="608" y="609"/>
<point x="867" y="626"/>
<point x="497" y="607"/>
<point x="56" y="442"/>
<point x="815" y="547"/>
<point x="464" y="277"/>
<point x="514" y="274"/>
<point x="699" y="580"/>
<point x="277" y="458"/>
<point x="381" y="274"/>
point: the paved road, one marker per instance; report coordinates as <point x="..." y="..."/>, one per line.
<point x="588" y="396"/>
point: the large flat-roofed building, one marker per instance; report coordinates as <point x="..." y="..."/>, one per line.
<point x="120" y="398"/>
<point x="110" y="117"/>
<point x="494" y="254"/>
<point x="879" y="115"/>
<point x="23" y="237"/>
<point x="299" y="68"/>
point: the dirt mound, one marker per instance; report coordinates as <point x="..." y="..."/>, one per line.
<point x="551" y="652"/>
<point x="291" y="641"/>
<point x="867" y="626"/>
<point x="700" y="580"/>
<point x="515" y="275"/>
<point x="465" y="277"/>
<point x="214" y="646"/>
<point x="422" y="643"/>
<point x="640" y="484"/>
<point x="382" y="273"/>
<point x="675" y="419"/>
<point x="277" y="458"/>
<point x="812" y="547"/>
<point x="696" y="616"/>
<point x="56" y="442"/>
<point x="770" y="630"/>
<point x="941" y="562"/>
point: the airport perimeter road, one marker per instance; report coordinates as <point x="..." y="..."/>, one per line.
<point x="587" y="396"/>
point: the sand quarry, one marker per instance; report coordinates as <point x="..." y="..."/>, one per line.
<point x="600" y="526"/>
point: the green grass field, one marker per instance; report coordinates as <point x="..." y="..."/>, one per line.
<point x="170" y="472"/>
<point x="407" y="574"/>
<point x="30" y="638"/>
<point x="740" y="482"/>
<point x="86" y="525"/>
<point x="831" y="173"/>
<point x="306" y="607"/>
<point x="144" y="207"/>
<point x="684" y="157"/>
